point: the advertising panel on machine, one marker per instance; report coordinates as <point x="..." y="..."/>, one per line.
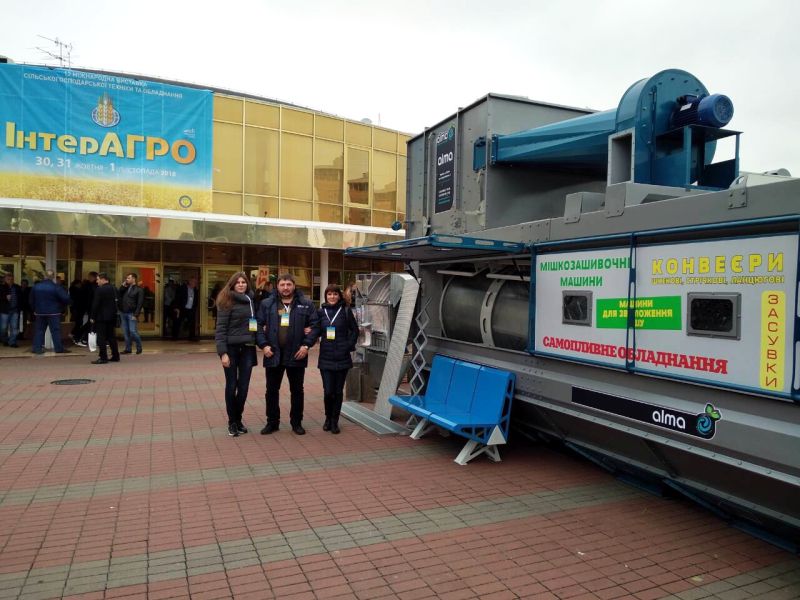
<point x="717" y="311"/>
<point x="88" y="137"/>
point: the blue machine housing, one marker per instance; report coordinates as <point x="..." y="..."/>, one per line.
<point x="667" y="123"/>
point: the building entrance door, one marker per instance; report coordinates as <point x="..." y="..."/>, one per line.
<point x="150" y="281"/>
<point x="214" y="280"/>
<point x="175" y="276"/>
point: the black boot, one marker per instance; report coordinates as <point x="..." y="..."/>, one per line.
<point x="335" y="426"/>
<point x="326" y="426"/>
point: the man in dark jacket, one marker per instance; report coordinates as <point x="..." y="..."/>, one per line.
<point x="103" y="315"/>
<point x="88" y="287"/>
<point x="131" y="298"/>
<point x="184" y="309"/>
<point x="48" y="300"/>
<point x="10" y="306"/>
<point x="287" y="327"/>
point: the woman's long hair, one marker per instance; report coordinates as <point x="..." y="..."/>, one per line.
<point x="225" y="296"/>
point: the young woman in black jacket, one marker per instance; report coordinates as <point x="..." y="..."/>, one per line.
<point x="236" y="345"/>
<point x="338" y="336"/>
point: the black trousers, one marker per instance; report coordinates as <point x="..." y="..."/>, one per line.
<point x="189" y="315"/>
<point x="106" y="335"/>
<point x="333" y="389"/>
<point x="237" y="379"/>
<point x="296" y="377"/>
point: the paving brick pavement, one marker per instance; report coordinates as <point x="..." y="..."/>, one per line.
<point x="129" y="487"/>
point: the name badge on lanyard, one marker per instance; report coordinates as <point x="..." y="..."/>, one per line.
<point x="330" y="331"/>
<point x="252" y="324"/>
<point x="284" y="319"/>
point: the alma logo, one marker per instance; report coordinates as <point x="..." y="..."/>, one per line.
<point x="707" y="422"/>
<point x="446" y="135"/>
<point x="662" y="417"/>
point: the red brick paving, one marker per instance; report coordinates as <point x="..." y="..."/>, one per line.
<point x="642" y="547"/>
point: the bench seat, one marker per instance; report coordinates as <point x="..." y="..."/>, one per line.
<point x="471" y="400"/>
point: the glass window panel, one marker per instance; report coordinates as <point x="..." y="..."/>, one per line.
<point x="358" y="134"/>
<point x="357" y="216"/>
<point x="263" y="115"/>
<point x="358" y="265"/>
<point x="384" y="178"/>
<point x="91" y="248"/>
<point x="358" y="176"/>
<point x="328" y="172"/>
<point x="402" y="144"/>
<point x="295" y="209"/>
<point x="261" y="161"/>
<point x="260" y="255"/>
<point x="62" y="247"/>
<point x="226" y="204"/>
<point x="260" y="206"/>
<point x="227" y="109"/>
<point x="384" y="140"/>
<point x="297" y="121"/>
<point x="227" y="157"/>
<point x="9" y="244"/>
<point x="401" y="183"/>
<point x="183" y="252"/>
<point x="386" y="266"/>
<point x="296" y="168"/>
<point x="328" y="213"/>
<point x="296" y="257"/>
<point x="330" y="128"/>
<point x="335" y="260"/>
<point x="382" y="219"/>
<point x="139" y="250"/>
<point x="223" y="254"/>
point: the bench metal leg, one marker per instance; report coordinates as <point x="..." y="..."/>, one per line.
<point x="412" y="421"/>
<point x="423" y="427"/>
<point x="472" y="449"/>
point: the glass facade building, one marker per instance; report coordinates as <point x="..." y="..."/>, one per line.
<point x="291" y="188"/>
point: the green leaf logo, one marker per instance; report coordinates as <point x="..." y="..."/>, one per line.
<point x="712" y="412"/>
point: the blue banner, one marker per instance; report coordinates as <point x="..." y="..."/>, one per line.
<point x="89" y="137"/>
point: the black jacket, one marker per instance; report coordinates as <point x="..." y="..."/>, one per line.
<point x="233" y="324"/>
<point x="104" y="303"/>
<point x="334" y="355"/>
<point x="302" y="314"/>
<point x="131" y="299"/>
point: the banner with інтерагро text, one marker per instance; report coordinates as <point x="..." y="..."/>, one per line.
<point x="76" y="136"/>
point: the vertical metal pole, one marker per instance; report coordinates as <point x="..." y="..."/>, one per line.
<point x="51" y="250"/>
<point x="50" y="256"/>
<point x="323" y="273"/>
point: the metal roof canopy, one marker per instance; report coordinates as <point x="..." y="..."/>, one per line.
<point x="435" y="247"/>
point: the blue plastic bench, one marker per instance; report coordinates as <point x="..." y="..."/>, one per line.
<point x="471" y="400"/>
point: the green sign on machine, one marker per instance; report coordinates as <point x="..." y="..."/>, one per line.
<point x="659" y="312"/>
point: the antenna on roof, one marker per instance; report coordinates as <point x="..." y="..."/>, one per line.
<point x="63" y="52"/>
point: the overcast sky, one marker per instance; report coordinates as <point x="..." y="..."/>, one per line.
<point x="408" y="64"/>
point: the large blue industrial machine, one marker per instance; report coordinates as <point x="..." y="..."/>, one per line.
<point x="643" y="294"/>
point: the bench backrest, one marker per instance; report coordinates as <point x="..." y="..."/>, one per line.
<point x="492" y="390"/>
<point x="469" y="387"/>
<point x="441" y="374"/>
<point x="462" y="386"/>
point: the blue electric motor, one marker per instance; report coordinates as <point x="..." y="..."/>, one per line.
<point x="715" y="110"/>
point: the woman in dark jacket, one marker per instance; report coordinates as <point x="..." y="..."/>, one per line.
<point x="236" y="339"/>
<point x="339" y="333"/>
